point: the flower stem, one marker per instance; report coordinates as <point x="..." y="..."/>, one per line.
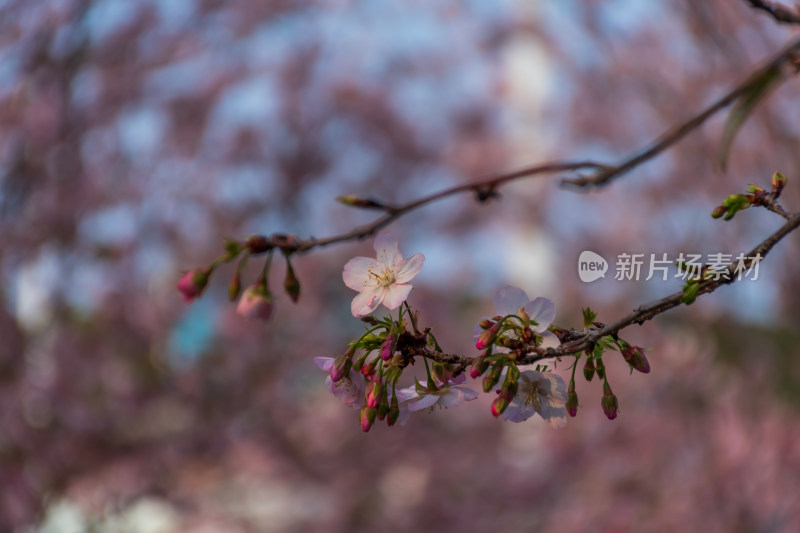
<point x="265" y="271"/>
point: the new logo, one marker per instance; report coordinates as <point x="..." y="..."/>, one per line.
<point x="591" y="266"/>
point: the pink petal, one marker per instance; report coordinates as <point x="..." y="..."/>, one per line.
<point x="508" y="299"/>
<point x="458" y="380"/>
<point x="367" y="301"/>
<point x="325" y="363"/>
<point x="386" y="247"/>
<point x="410" y="268"/>
<point x="395" y="295"/>
<point x="356" y="274"/>
<point x="543" y="311"/>
<point x="406" y="394"/>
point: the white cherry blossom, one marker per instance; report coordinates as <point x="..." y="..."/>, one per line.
<point x="539" y="392"/>
<point x="383" y="280"/>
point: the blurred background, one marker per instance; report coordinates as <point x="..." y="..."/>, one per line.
<point x="136" y="136"/>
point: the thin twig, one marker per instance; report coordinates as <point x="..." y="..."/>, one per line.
<point x="586" y="340"/>
<point x="486" y="188"/>
<point x="779" y="12"/>
<point x="678" y="132"/>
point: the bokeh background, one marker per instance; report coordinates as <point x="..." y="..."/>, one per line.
<point x="136" y="136"/>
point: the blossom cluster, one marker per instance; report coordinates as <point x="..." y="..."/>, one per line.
<point x="513" y="344"/>
<point x="370" y="381"/>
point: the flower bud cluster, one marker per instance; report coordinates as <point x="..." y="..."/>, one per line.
<point x="256" y="301"/>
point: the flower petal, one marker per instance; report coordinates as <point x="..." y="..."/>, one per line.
<point x="508" y="299"/>
<point x="531" y="376"/>
<point x="549" y="340"/>
<point x="356" y="274"/>
<point x="423" y="402"/>
<point x="518" y="413"/>
<point x="395" y="295"/>
<point x="458" y="380"/>
<point x="543" y="311"/>
<point x="324" y="363"/>
<point x="406" y="394"/>
<point x="554" y="387"/>
<point x="404" y="415"/>
<point x="409" y="268"/>
<point x="347" y="390"/>
<point x="451" y="398"/>
<point x="477" y="330"/>
<point x="386" y="247"/>
<point x="555" y="415"/>
<point x="367" y="301"/>
<point x="468" y="393"/>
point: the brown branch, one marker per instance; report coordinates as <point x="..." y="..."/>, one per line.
<point x="587" y="339"/>
<point x="483" y="190"/>
<point x="678" y="132"/>
<point x="779" y="12"/>
<point x="486" y="188"/>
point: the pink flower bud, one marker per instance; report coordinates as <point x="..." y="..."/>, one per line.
<point x="572" y="404"/>
<point x="499" y="405"/>
<point x="368" y="370"/>
<point x="193" y="283"/>
<point x="387" y="347"/>
<point x="256" y="302"/>
<point x="367" y="418"/>
<point x="487" y="337"/>
<point x="340" y="368"/>
<point x="374" y="393"/>
<point x="609" y="402"/>
<point x="491" y="379"/>
<point x="509" y="390"/>
<point x="572" y="400"/>
<point x="479" y="366"/>
<point x="634" y="355"/>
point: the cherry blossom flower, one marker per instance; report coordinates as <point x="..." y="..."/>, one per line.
<point x="539" y="392"/>
<point x="383" y="280"/>
<point x="350" y="389"/>
<point x="417" y="398"/>
<point x="542" y="311"/>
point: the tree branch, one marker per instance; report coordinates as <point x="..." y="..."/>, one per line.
<point x="486" y="188"/>
<point x="779" y="12"/>
<point x="678" y="132"/>
<point x="583" y="340"/>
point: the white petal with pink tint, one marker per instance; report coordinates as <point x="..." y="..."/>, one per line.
<point x="367" y="301"/>
<point x="386" y="248"/>
<point x="410" y="268"/>
<point x="396" y="295"/>
<point x="381" y="280"/>
<point x="356" y="274"/>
